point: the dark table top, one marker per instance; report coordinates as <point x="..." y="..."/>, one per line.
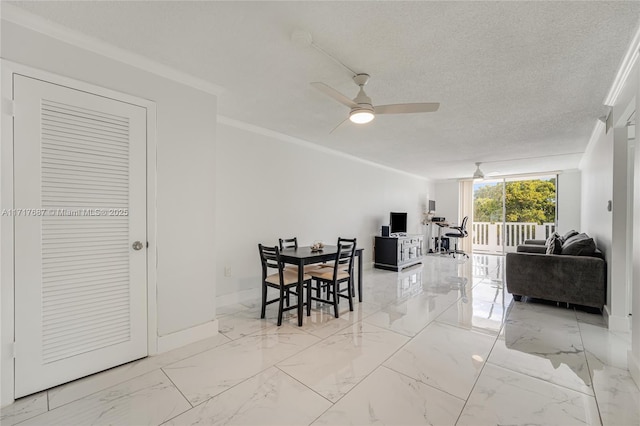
<point x="293" y="255"/>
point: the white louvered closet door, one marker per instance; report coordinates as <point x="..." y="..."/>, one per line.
<point x="80" y="195"/>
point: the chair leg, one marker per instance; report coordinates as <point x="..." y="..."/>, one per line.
<point x="335" y="299"/>
<point x="309" y="298"/>
<point x="288" y="294"/>
<point x="350" y="294"/>
<point x="264" y="301"/>
<point x="353" y="286"/>
<point x="280" y="307"/>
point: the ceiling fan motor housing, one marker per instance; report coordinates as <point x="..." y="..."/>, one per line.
<point x="364" y="112"/>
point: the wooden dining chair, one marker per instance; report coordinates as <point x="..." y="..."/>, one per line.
<point x="332" y="278"/>
<point x="285" y="281"/>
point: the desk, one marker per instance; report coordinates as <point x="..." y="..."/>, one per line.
<point x="440" y="226"/>
<point x="304" y="256"/>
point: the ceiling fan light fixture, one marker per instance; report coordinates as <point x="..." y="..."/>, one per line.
<point x="361" y="116"/>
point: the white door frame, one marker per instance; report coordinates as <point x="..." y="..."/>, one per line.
<point x="7" y="279"/>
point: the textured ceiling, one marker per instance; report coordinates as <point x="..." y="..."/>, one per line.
<point x="521" y="84"/>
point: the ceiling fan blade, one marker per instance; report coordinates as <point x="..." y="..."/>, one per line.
<point x="333" y="93"/>
<point x="406" y="108"/>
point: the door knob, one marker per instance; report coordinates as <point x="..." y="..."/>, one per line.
<point x="137" y="245"/>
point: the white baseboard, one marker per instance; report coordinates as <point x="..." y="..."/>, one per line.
<point x="616" y="322"/>
<point x="634" y="367"/>
<point x="238" y="297"/>
<point x="190" y="335"/>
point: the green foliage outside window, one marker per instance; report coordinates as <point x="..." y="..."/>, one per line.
<point x="525" y="201"/>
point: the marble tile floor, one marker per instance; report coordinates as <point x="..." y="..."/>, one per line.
<point x="441" y="344"/>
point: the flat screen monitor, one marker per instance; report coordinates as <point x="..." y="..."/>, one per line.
<point x="432" y="206"/>
<point x="398" y="222"/>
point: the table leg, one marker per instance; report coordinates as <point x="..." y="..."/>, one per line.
<point x="300" y="291"/>
<point x="360" y="277"/>
<point x="429" y="249"/>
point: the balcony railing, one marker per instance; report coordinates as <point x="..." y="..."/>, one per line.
<point x="487" y="237"/>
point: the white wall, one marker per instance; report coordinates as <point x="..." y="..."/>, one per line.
<point x="186" y="122"/>
<point x="447" y="199"/>
<point x="270" y="186"/>
<point x="634" y="353"/>
<point x="597" y="190"/>
<point x="618" y="305"/>
<point x="569" y="193"/>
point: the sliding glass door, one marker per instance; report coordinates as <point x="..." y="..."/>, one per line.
<point x="507" y="212"/>
<point x="488" y="216"/>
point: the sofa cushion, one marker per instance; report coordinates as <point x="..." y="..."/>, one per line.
<point x="554" y="244"/>
<point x="532" y="248"/>
<point x="579" y="245"/>
<point x="569" y="234"/>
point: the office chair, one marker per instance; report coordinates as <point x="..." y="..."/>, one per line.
<point x="461" y="232"/>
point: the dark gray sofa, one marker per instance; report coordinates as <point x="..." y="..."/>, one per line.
<point x="576" y="279"/>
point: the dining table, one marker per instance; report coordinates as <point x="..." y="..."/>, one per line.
<point x="305" y="255"/>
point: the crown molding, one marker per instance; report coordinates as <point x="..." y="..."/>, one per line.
<point x="301" y="142"/>
<point x="18" y="16"/>
<point x="629" y="60"/>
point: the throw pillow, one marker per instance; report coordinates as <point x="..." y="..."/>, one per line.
<point x="554" y="244"/>
<point x="574" y="238"/>
<point x="579" y="245"/>
<point x="569" y="234"/>
<point x="551" y="238"/>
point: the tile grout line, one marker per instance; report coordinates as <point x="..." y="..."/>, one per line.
<point x="160" y="367"/>
<point x="185" y="398"/>
<point x="242" y="381"/>
<point x="275" y="365"/>
<point x="421" y="382"/>
<point x="541" y="379"/>
<point x="466" y="401"/>
<point x="422" y="330"/>
<point x="586" y="358"/>
<point x="214" y="396"/>
<point x="177" y="388"/>
<point x="410" y="338"/>
<point x="367" y="375"/>
<point x="311" y="389"/>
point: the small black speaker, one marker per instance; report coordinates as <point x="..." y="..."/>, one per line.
<point x="385" y="231"/>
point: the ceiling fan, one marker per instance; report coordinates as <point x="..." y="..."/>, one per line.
<point x="363" y="110"/>
<point x="478" y="174"/>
